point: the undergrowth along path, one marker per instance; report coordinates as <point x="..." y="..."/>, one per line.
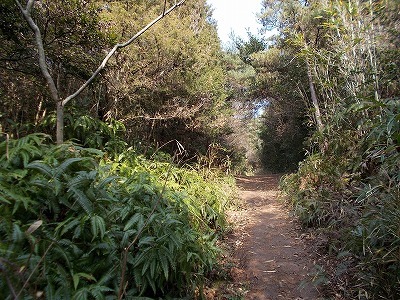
<point x="270" y="253"/>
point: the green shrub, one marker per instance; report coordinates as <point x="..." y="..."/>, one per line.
<point x="77" y="225"/>
<point x="376" y="237"/>
<point x="352" y="189"/>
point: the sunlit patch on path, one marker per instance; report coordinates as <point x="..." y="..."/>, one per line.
<point x="271" y="257"/>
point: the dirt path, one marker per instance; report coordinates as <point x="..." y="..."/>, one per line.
<point x="270" y="255"/>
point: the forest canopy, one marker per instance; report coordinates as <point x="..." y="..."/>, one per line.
<point x="168" y="83"/>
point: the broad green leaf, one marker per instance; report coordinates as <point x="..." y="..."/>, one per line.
<point x="76" y="278"/>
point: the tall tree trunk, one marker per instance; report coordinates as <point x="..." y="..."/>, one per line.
<point x="60" y="123"/>
<point x="314" y="99"/>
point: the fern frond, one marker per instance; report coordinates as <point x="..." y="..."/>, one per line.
<point x="77" y="276"/>
<point x="83" y="178"/>
<point x="81" y="294"/>
<point x="4" y="200"/>
<point x="102" y="246"/>
<point x="81" y="198"/>
<point x="146" y="240"/>
<point x="90" y="151"/>
<point x="98" y="291"/>
<point x="62" y="253"/>
<point x="17" y="234"/>
<point x="66" y="225"/>
<point x="15" y="197"/>
<point x="26" y="148"/>
<point x="136" y="218"/>
<point x="104" y="182"/>
<point x="61" y="169"/>
<point x="127" y="236"/>
<point x="41" y="167"/>
<point x="50" y="291"/>
<point x="151" y="282"/>
<point x="54" y="186"/>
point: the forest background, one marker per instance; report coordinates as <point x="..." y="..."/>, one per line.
<point x="151" y="140"/>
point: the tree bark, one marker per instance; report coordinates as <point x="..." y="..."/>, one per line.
<point x="26" y="12"/>
<point x="60" y="123"/>
<point x="314" y="99"/>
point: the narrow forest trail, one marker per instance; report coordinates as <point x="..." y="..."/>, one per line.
<point x="270" y="256"/>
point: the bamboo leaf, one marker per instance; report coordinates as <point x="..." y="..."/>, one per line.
<point x="153" y="266"/>
<point x="75" y="279"/>
<point x="164" y="264"/>
<point x="146" y="240"/>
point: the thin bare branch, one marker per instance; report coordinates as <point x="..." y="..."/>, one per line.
<point x="45" y="71"/>
<point x="29" y="5"/>
<point x="119" y="46"/>
<point x="39" y="44"/>
<point x="19" y="5"/>
<point x="11" y="288"/>
<point x="34" y="269"/>
<point x="165" y="6"/>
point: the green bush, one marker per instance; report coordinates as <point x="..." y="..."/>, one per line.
<point x="77" y="225"/>
<point x="352" y="189"/>
<point x="376" y="237"/>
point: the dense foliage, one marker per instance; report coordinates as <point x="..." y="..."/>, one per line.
<point x="78" y="223"/>
<point x="106" y="215"/>
<point x="269" y="86"/>
<point x="343" y="56"/>
<point x="169" y="84"/>
<point x="284" y="125"/>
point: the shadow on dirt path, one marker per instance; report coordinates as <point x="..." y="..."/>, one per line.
<point x="270" y="255"/>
